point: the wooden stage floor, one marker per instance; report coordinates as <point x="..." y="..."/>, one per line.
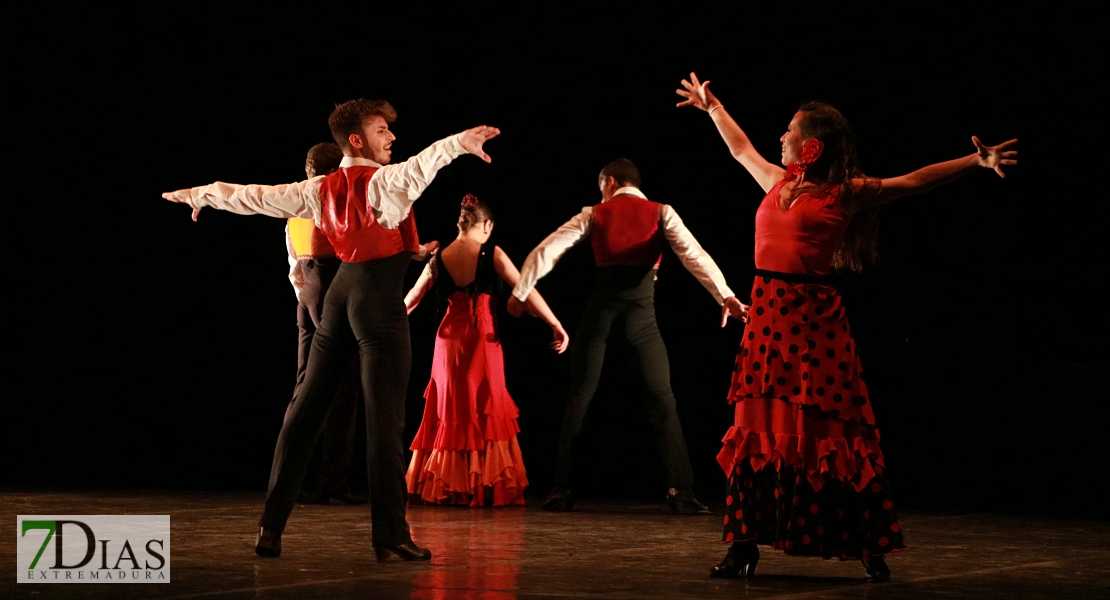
<point x="604" y="550"/>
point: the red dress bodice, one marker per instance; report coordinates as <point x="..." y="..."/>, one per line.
<point x="803" y="238"/>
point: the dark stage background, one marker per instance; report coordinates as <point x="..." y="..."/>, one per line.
<point x="145" y="350"/>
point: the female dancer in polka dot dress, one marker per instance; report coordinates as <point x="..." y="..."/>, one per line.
<point x="804" y="467"/>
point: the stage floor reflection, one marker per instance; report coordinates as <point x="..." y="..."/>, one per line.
<point x="605" y="550"/>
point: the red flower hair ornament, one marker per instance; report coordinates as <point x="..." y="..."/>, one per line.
<point x="811" y="151"/>
<point x="469" y="202"/>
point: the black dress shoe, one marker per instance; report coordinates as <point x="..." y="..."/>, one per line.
<point x="560" y="498"/>
<point x="268" y="543"/>
<point x="740" y="560"/>
<point x="877" y="569"/>
<point x="312" y="498"/>
<point x="406" y="551"/>
<point x="683" y="499"/>
<point x="349" y="498"/>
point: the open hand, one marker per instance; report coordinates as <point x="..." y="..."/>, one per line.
<point x="561" y="338"/>
<point x="993" y="157"/>
<point x="184" y="197"/>
<point x="697" y="93"/>
<point x="735" y="309"/>
<point x="472" y="139"/>
<point x="427" y="250"/>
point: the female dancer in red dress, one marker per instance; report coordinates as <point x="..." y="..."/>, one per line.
<point x="466" y="450"/>
<point x="805" y="471"/>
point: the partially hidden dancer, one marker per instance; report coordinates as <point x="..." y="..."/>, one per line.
<point x="365" y="211"/>
<point x="805" y="471"/>
<point x="466" y="451"/>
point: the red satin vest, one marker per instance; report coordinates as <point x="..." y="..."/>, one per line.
<point x="626" y="231"/>
<point x="349" y="223"/>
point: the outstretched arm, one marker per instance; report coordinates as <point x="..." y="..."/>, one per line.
<point x="393" y="188"/>
<point x="696" y="260"/>
<point x="301" y="199"/>
<point x="924" y="179"/>
<point x="423" y="284"/>
<point x="697" y="94"/>
<point x="535" y="302"/>
<point x="543" y="258"/>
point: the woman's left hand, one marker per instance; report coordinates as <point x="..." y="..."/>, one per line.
<point x="561" y="338"/>
<point x="993" y="157"/>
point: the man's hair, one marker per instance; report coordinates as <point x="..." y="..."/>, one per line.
<point x="623" y="171"/>
<point x="323" y="158"/>
<point x="347" y="118"/>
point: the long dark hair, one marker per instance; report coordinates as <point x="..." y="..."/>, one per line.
<point x="837" y="166"/>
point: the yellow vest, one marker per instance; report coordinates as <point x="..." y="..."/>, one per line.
<point x="308" y="241"/>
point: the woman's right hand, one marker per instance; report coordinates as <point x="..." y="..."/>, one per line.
<point x="697" y="93"/>
<point x="561" y="338"/>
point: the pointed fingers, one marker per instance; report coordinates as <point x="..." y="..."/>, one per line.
<point x="998" y="169"/>
<point x="978" y="144"/>
<point x="694" y="78"/>
<point x="1008" y="161"/>
<point x="196" y="211"/>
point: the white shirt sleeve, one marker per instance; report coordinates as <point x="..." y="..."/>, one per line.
<point x="296" y="275"/>
<point x="301" y="199"/>
<point x="393" y="188"/>
<point x="543" y="258"/>
<point x="693" y="256"/>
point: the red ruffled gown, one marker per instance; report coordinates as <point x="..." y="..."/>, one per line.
<point x="466" y="451"/>
<point x="804" y="467"/>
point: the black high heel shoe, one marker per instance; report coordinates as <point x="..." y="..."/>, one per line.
<point x="740" y="560"/>
<point x="560" y="498"/>
<point x="678" y="499"/>
<point x="877" y="569"/>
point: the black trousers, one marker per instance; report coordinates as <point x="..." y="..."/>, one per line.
<point x="624" y="298"/>
<point x="364" y="314"/>
<point x="328" y="469"/>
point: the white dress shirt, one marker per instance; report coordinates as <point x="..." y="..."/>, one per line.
<point x="390" y="192"/>
<point x="541" y="260"/>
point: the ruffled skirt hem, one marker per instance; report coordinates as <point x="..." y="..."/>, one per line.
<point x="494" y="476"/>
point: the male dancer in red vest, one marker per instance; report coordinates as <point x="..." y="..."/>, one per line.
<point x="312" y="266"/>
<point x="364" y="209"/>
<point x="628" y="234"/>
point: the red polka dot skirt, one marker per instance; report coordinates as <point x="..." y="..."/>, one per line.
<point x="803" y="458"/>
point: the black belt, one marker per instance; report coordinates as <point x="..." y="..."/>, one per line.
<point x="795" y="277"/>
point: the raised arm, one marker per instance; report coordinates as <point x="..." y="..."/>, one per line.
<point x="301" y="199"/>
<point x="393" y="188"/>
<point x="867" y="194"/>
<point x="543" y="258"/>
<point x="420" y="288"/>
<point x="697" y="94"/>
<point x="535" y="303"/>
